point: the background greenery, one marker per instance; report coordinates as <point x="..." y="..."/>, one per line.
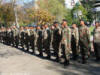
<point x="48" y="12"/>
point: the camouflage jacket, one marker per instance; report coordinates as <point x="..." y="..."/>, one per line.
<point x="33" y="34"/>
<point x="96" y="35"/>
<point x="27" y="32"/>
<point x="84" y="35"/>
<point x="15" y="32"/>
<point x="22" y="34"/>
<point x="57" y="34"/>
<point x="66" y="36"/>
<point x="39" y="35"/>
<point x="46" y="34"/>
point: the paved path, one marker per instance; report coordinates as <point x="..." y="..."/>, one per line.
<point x="16" y="62"/>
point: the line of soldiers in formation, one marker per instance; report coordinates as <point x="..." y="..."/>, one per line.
<point x="64" y="40"/>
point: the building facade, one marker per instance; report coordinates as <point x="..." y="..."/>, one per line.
<point x="97" y="9"/>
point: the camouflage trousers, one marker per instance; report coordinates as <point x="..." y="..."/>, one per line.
<point x="22" y="42"/>
<point x="56" y="47"/>
<point x="84" y="50"/>
<point x="32" y="44"/>
<point x="40" y="46"/>
<point x="46" y="46"/>
<point x="27" y="43"/>
<point x="16" y="41"/>
<point x="65" y="52"/>
<point x="75" y="50"/>
<point x="97" y="50"/>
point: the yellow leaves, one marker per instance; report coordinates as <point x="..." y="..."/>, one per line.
<point x="41" y="16"/>
<point x="7" y="13"/>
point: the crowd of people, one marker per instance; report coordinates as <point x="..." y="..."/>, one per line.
<point x="67" y="42"/>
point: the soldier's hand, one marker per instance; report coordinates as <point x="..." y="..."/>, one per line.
<point x="68" y="46"/>
<point x="63" y="39"/>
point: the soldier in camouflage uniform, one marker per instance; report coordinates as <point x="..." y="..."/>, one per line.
<point x="12" y="37"/>
<point x="84" y="41"/>
<point x="22" y="37"/>
<point x="27" y="36"/>
<point x="0" y="35"/>
<point x="96" y="40"/>
<point x="46" y="40"/>
<point x="74" y="41"/>
<point x="66" y="42"/>
<point x="32" y="38"/>
<point x="39" y="40"/>
<point x="4" y="35"/>
<point x="35" y="37"/>
<point x="9" y="36"/>
<point x="43" y="30"/>
<point x="51" y="32"/>
<point x="16" y="36"/>
<point x="56" y="40"/>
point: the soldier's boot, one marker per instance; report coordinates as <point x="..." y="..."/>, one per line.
<point x="84" y="60"/>
<point x="75" y="57"/>
<point x="67" y="62"/>
<point x="9" y="41"/>
<point x="48" y="54"/>
<point x="97" y="58"/>
<point x="48" y="57"/>
<point x="33" y="50"/>
<point x="22" y="47"/>
<point x="41" y="54"/>
<point x="27" y="48"/>
<point x="57" y="58"/>
<point x="13" y="44"/>
<point x="16" y="45"/>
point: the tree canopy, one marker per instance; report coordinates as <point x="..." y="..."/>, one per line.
<point x="55" y="7"/>
<point x="7" y="14"/>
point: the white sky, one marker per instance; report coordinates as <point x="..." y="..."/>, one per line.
<point x="68" y="3"/>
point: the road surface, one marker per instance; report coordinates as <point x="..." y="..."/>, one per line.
<point x="17" y="62"/>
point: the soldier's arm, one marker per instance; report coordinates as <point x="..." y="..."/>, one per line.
<point x="77" y="36"/>
<point x="88" y="36"/>
<point x="93" y="35"/>
<point x="59" y="31"/>
<point x="62" y="36"/>
<point x="69" y="38"/>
